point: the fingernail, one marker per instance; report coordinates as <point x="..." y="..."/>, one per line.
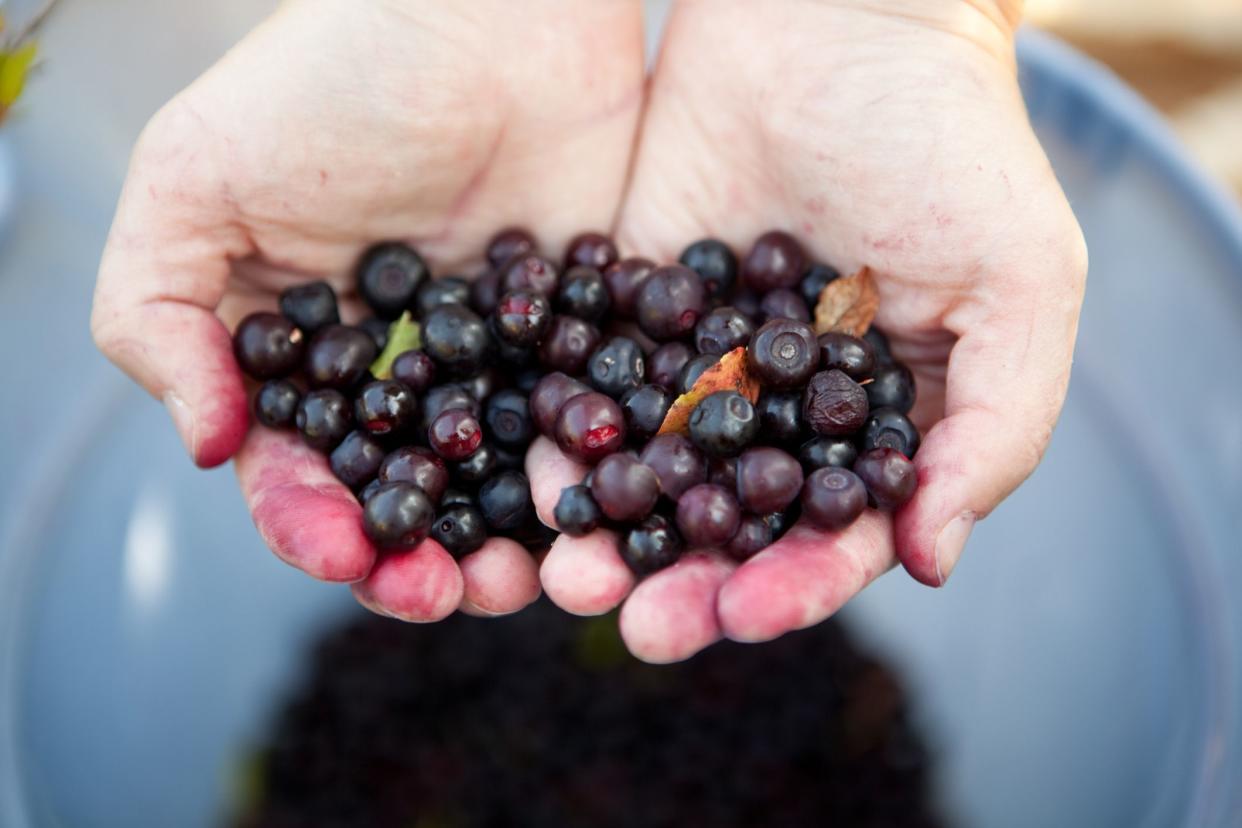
<point x="950" y="543"/>
<point x="485" y="613"/>
<point x="183" y="419"/>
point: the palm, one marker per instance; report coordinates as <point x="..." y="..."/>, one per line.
<point x="329" y="127"/>
<point x="938" y="186"/>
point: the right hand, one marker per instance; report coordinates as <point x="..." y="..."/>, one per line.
<point x="331" y="126"/>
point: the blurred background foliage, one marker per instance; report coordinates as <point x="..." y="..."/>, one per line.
<point x="17" y="55"/>
<point x="1184" y="56"/>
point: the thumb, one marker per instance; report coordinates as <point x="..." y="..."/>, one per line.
<point x="1007" y="378"/>
<point x="164" y="269"/>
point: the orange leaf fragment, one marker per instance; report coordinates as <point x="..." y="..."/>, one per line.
<point x="847" y="305"/>
<point x="729" y="374"/>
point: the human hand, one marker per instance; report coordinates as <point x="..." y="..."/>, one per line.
<point x="881" y="133"/>
<point x="331" y="126"/>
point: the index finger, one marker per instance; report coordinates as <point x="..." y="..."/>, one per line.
<point x="163" y="272"/>
<point x="805" y="577"/>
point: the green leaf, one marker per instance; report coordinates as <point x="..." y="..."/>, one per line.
<point x="14" y="67"/>
<point x="403" y="335"/>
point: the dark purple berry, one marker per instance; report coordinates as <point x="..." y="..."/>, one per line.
<point x="369" y="489"/>
<point x="616" y="366"/>
<point x="505" y="501"/>
<point x="677" y="463"/>
<point x="507" y="459"/>
<point x="485" y="293"/>
<point x="415" y="369"/>
<point x="550" y="393"/>
<point x="324" y="417"/>
<point x="268" y="346"/>
<point x="478" y="467"/>
<point x="783" y="353"/>
<point x="889" y="476"/>
<point x="693" y="369"/>
<point x="515" y="357"/>
<point x="722" y="471"/>
<point x="568" y="345"/>
<point x="754" y="534"/>
<point x="356" y="460"/>
<point x="625" y="489"/>
<point x="623" y="280"/>
<point x="441" y="398"/>
<point x="834" y="404"/>
<point x="708" y="516"/>
<point x="589" y="427"/>
<point x="418" y="466"/>
<point x="664" y="366"/>
<point x="577" y="513"/>
<point x="846" y="353"/>
<point x="889" y="428"/>
<point x="526" y="378"/>
<point x="780" y="417"/>
<point x="522" y="317"/>
<point x="644" y="409"/>
<point x="651" y="545"/>
<point x="768" y="480"/>
<point x="456" y="497"/>
<point x="457" y="339"/>
<point x="879" y="342"/>
<point x="397" y="516"/>
<point x="833" y="498"/>
<point x="389" y="276"/>
<point x="310" y="306"/>
<point x="506" y="414"/>
<point x="827" y="451"/>
<point x="377" y="329"/>
<point x="776" y="261"/>
<point x="529" y="271"/>
<point x="386" y="407"/>
<point x="583" y="294"/>
<point x="722" y="330"/>
<point x="590" y="250"/>
<point x="460" y="530"/>
<point x="510" y="242"/>
<point x="747" y="303"/>
<point x="276" y="403"/>
<point x="534" y="536"/>
<point x="339" y="356"/>
<point x="783" y="303"/>
<point x="715" y="265"/>
<point x="723" y="424"/>
<point x="482" y="385"/>
<point x="670" y="303"/>
<point x="893" y="387"/>
<point x="450" y="290"/>
<point x="455" y="434"/>
<point x="814" y="281"/>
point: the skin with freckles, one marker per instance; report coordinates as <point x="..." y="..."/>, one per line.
<point x="884" y="133"/>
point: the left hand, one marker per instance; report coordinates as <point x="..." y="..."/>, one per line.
<point x="896" y="140"/>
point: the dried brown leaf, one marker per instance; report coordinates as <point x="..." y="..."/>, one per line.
<point x="729" y="374"/>
<point x="847" y="305"/>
